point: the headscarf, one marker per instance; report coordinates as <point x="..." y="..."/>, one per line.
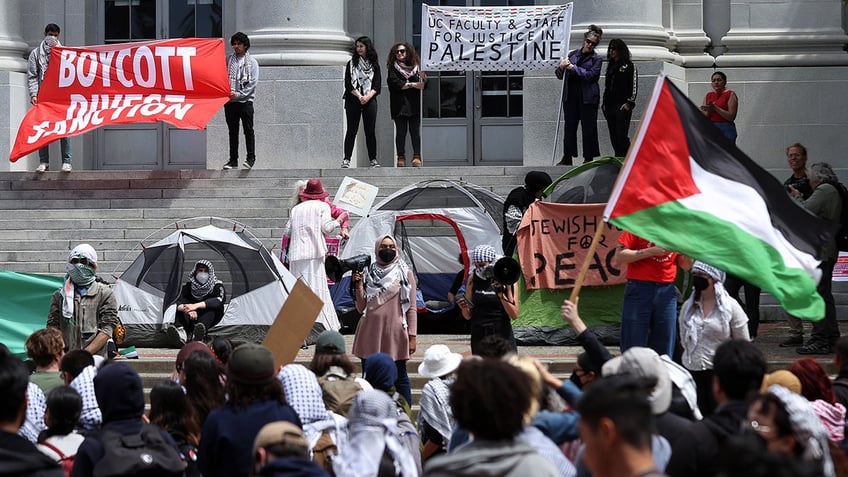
<point x="43" y="53"/>
<point x="200" y="290"/>
<point x="361" y="75"/>
<point x="381" y="373"/>
<point x="807" y="428"/>
<point x="382" y="277"/>
<point x="406" y="70"/>
<point x="483" y="253"/>
<point x="78" y="274"/>
<point x="304" y="394"/>
<point x="238" y="70"/>
<point x="373" y="427"/>
<point x="692" y="325"/>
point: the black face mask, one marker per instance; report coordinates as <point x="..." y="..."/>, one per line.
<point x="386" y="255"/>
<point x="574" y="378"/>
<point x="700" y="283"/>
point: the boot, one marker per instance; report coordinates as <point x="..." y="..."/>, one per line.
<point x="416" y="161"/>
<point x="401" y="161"/>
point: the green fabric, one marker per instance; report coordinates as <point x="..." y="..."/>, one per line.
<point x="700" y="235"/>
<point x="46" y="380"/>
<point x="24" y="305"/>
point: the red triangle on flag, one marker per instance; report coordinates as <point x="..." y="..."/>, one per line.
<point x="659" y="169"/>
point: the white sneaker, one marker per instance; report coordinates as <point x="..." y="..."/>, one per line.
<point x="42" y="167"/>
<point x="66" y="167"/>
<point x="374" y="163"/>
<point x="345" y="163"/>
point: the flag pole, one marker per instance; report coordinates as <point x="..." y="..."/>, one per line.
<point x="590" y="254"/>
<point x="559" y="118"/>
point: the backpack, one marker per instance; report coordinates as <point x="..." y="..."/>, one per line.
<point x="408" y="434"/>
<point x="324" y="451"/>
<point x="138" y="455"/>
<point x="338" y="392"/>
<point x="842" y="233"/>
<point x="66" y="461"/>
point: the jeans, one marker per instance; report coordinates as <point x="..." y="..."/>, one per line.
<point x="402" y="385"/>
<point x="649" y="316"/>
<point x="64" y="145"/>
<point x="233" y="113"/>
<point x="354" y="111"/>
<point x="728" y="129"/>
<point x="413" y="125"/>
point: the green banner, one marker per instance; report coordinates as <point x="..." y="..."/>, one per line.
<point x="24" y="305"/>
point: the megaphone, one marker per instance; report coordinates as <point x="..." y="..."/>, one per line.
<point x="336" y="267"/>
<point x="504" y="271"/>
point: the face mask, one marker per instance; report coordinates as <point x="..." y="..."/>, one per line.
<point x="386" y="255"/>
<point x="700" y="283"/>
<point x="574" y="378"/>
<point x="201" y="277"/>
<point x="80" y="273"/>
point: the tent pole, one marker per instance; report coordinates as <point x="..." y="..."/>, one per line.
<point x="578" y="284"/>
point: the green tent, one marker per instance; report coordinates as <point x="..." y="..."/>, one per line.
<point x="539" y="321"/>
<point x="24" y="306"/>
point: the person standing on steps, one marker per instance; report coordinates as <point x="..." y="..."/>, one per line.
<point x="405" y="82"/>
<point x="362" y="85"/>
<point x="243" y="71"/>
<point x="39" y="58"/>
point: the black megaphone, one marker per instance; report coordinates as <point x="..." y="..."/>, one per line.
<point x="336" y="267"/>
<point x="506" y="271"/>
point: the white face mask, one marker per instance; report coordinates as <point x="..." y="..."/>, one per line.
<point x="201" y="277"/>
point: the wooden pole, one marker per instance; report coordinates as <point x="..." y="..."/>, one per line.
<point x="578" y="284"/>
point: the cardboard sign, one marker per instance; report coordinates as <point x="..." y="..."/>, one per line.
<point x="293" y="323"/>
<point x="355" y="196"/>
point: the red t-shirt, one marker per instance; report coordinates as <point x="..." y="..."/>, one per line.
<point x="661" y="269"/>
<point x="720" y="100"/>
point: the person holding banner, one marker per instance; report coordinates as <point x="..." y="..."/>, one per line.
<point x="490" y="306"/>
<point x="580" y="72"/>
<point x="362" y="85"/>
<point x="37" y="64"/>
<point x="405" y="82"/>
<point x="243" y="71"/>
<point x="621" y="85"/>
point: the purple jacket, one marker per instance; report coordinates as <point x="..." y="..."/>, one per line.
<point x="589" y="72"/>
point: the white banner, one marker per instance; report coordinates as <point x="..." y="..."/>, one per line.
<point x="494" y="38"/>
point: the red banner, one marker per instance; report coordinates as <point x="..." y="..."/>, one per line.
<point x="181" y="81"/>
<point x="553" y="241"/>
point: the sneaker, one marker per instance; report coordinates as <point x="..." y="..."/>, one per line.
<point x="374" y="163"/>
<point x="199" y="333"/>
<point x="815" y="347"/>
<point x="66" y="167"/>
<point x="230" y="165"/>
<point x="792" y="341"/>
<point x="248" y="164"/>
<point x="42" y="167"/>
<point x="175" y="338"/>
<point x="345" y="163"/>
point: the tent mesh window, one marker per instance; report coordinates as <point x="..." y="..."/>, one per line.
<point x="447" y="196"/>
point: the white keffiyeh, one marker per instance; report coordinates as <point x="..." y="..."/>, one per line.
<point x="693" y="323"/>
<point x="34" y="419"/>
<point x="90" y="418"/>
<point x="361" y="75"/>
<point x="304" y="394"/>
<point x="809" y="431"/>
<point x="238" y="70"/>
<point x="435" y="407"/>
<point x="381" y="278"/>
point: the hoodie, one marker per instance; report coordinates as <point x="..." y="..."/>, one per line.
<point x="695" y="453"/>
<point x="20" y="458"/>
<point x="504" y="458"/>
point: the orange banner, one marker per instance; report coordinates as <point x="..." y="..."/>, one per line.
<point x="553" y="241"/>
<point x="181" y="81"/>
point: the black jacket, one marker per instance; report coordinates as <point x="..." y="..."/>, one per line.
<point x="403" y="102"/>
<point x="696" y="452"/>
<point x="292" y="467"/>
<point x="20" y="458"/>
<point x="621" y="84"/>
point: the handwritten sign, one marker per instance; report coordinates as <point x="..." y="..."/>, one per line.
<point x="553" y="240"/>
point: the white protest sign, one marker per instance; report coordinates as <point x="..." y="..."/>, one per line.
<point x="494" y="38"/>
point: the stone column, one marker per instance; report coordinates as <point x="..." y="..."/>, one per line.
<point x="686" y="27"/>
<point x="638" y="22"/>
<point x="785" y="33"/>
<point x="14" y="98"/>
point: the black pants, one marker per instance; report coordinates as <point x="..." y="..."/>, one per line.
<point x="233" y="113"/>
<point x="413" y="125"/>
<point x="704" y="385"/>
<point x="368" y="112"/>
<point x="752" y="300"/>
<point x="618" y="123"/>
<point x="826" y="330"/>
<point x="209" y="318"/>
<point x="480" y="330"/>
<point x="587" y="116"/>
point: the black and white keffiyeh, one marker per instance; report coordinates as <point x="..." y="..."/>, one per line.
<point x="435" y="407"/>
<point x="34" y="418"/>
<point x="361" y="75"/>
<point x="200" y="290"/>
<point x="693" y="325"/>
<point x="304" y="394"/>
<point x="91" y="417"/>
<point x="809" y="431"/>
<point x="43" y="53"/>
<point x="238" y="69"/>
<point x="382" y="276"/>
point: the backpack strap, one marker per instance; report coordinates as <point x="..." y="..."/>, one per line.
<point x="55" y="449"/>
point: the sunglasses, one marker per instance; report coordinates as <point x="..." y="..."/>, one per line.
<point x="590" y="42"/>
<point x="402" y="51"/>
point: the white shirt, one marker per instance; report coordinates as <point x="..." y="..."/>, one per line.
<point x="308" y="222"/>
<point x="709" y="333"/>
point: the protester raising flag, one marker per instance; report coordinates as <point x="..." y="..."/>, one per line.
<point x="685" y="187"/>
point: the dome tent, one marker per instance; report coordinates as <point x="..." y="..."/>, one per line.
<point x="257" y="283"/>
<point x="434" y="222"/>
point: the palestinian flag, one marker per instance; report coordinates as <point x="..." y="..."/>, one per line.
<point x="686" y="187"/>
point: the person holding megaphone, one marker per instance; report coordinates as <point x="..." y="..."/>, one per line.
<point x="490" y="300"/>
<point x="386" y="292"/>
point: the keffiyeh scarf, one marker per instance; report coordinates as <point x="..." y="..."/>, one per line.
<point x="304" y="394"/>
<point x="361" y="75"/>
<point x="238" y="69"/>
<point x="435" y="407"/>
<point x="809" y="431"/>
<point x="43" y="53"/>
<point x="380" y="279"/>
<point x="693" y="325"/>
<point x="406" y="70"/>
<point x="200" y="290"/>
